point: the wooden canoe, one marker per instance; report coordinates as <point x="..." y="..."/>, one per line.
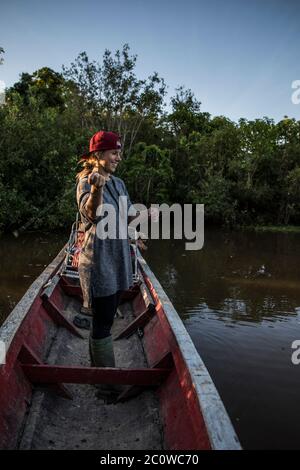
<point x="47" y="387"/>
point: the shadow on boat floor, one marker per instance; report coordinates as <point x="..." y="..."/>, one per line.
<point x="87" y="422"/>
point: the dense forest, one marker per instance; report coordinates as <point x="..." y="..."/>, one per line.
<point x="246" y="173"/>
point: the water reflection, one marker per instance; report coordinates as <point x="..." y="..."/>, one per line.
<point x="242" y="275"/>
<point x="22" y="260"/>
<point x="239" y="298"/>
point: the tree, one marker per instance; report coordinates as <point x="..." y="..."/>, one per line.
<point x="288" y="164"/>
<point x="246" y="173"/>
<point x="186" y="116"/>
<point x="116" y="99"/>
<point x="148" y="174"/>
<point x="40" y="137"/>
<point x="47" y="87"/>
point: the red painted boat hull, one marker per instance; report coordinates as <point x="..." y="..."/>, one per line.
<point x="191" y="410"/>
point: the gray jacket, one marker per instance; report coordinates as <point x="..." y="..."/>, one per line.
<point x="105" y="265"/>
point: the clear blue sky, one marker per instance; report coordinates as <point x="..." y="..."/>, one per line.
<point x="238" y="57"/>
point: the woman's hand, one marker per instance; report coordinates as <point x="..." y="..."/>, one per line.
<point x="96" y="180"/>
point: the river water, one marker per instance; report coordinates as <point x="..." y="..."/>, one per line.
<point x="239" y="299"/>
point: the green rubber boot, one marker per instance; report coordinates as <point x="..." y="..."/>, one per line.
<point x="102" y="352"/>
<point x="102" y="355"/>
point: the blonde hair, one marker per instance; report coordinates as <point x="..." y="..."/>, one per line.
<point x="89" y="164"/>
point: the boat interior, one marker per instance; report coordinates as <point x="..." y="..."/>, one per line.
<point x="49" y="396"/>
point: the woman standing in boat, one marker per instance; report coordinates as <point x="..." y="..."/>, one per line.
<point x="104" y="264"/>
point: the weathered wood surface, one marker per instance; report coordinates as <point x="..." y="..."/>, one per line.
<point x="191" y="403"/>
<point x="43" y="374"/>
<point x="218" y="425"/>
<point x="87" y="422"/>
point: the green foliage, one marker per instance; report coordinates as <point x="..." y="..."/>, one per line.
<point x="148" y="174"/>
<point x="245" y="173"/>
<point x="186" y="116"/>
<point x="38" y="154"/>
<point x="45" y="87"/>
<point x="114" y="98"/>
<point x="215" y="194"/>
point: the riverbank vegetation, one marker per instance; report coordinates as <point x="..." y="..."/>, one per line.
<point x="246" y="173"/>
